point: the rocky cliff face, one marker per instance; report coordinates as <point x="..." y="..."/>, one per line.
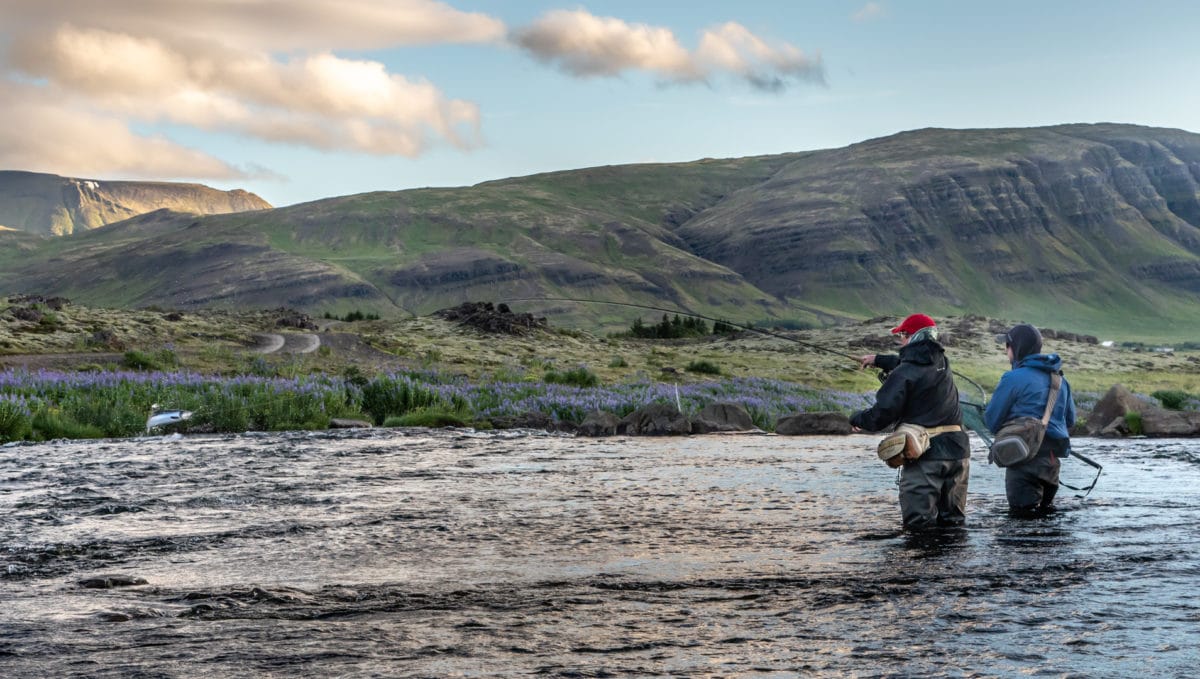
<point x="57" y="206"/>
<point x="941" y="214"/>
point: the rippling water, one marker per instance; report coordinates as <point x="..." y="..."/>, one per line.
<point x="437" y="553"/>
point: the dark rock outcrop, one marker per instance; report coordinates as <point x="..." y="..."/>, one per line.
<point x="111" y="581"/>
<point x="492" y="318"/>
<point x="529" y="420"/>
<point x="1161" y="422"/>
<point x="599" y="423"/>
<point x="1108" y="419"/>
<point x="807" y="424"/>
<point x="290" y="318"/>
<point x="722" y="417"/>
<point x="656" y="419"/>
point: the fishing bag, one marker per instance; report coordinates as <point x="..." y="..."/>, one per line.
<point x="909" y="442"/>
<point x="1019" y="439"/>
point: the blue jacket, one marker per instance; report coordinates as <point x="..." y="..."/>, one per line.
<point x="1023" y="392"/>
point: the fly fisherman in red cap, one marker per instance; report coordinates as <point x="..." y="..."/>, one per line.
<point x="919" y="389"/>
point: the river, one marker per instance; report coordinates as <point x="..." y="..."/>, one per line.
<point x="419" y="553"/>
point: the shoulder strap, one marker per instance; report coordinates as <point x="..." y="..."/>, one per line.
<point x="1055" y="385"/>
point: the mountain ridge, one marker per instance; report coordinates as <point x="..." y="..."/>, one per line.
<point x="1095" y="226"/>
<point x="51" y="205"/>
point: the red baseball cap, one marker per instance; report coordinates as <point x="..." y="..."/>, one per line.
<point x="914" y="323"/>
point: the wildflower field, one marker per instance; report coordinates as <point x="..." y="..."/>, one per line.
<point x="42" y="405"/>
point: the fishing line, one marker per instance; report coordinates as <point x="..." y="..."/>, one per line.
<point x="817" y="347"/>
<point x="692" y="315"/>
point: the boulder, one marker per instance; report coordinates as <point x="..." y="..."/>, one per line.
<point x="526" y="420"/>
<point x="1114" y="429"/>
<point x="808" y="424"/>
<point x="598" y="423"/>
<point x="566" y="426"/>
<point x="718" y="417"/>
<point x="656" y="419"/>
<point x="1170" y="423"/>
<point x="111" y="581"/>
<point x="1115" y="404"/>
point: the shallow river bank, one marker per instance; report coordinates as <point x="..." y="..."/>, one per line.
<point x="441" y="553"/>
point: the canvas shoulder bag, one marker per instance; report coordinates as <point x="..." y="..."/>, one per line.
<point x="909" y="442"/>
<point x="1019" y="439"/>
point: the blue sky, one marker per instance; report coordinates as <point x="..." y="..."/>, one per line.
<point x="308" y="99"/>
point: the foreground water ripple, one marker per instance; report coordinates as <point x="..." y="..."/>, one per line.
<point x="454" y="553"/>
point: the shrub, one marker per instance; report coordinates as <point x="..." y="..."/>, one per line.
<point x="48" y="425"/>
<point x="357" y="315"/>
<point x="16" y="421"/>
<point x="159" y="360"/>
<point x="261" y="367"/>
<point x="577" y="377"/>
<point x="704" y="367"/>
<point x="354" y="375"/>
<point x="724" y="328"/>
<point x="1133" y="421"/>
<point x="1172" y="399"/>
<point x="433" y="417"/>
<point x="397" y="395"/>
<point x="111" y="412"/>
<point x="49" y="322"/>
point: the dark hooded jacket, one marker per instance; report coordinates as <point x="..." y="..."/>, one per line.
<point x="1023" y="391"/>
<point x="920" y="390"/>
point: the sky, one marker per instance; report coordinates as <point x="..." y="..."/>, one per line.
<point x="298" y="100"/>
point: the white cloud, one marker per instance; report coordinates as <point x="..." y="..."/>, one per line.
<point x="587" y="45"/>
<point x="41" y="135"/>
<point x="870" y="12"/>
<point x="260" y="68"/>
<point x="91" y="72"/>
<point x="269" y="25"/>
<point x="733" y="48"/>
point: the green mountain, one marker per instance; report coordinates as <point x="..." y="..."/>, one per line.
<point x="1095" y="228"/>
<point x="50" y="205"/>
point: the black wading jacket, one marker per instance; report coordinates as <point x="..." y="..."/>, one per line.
<point x="919" y="390"/>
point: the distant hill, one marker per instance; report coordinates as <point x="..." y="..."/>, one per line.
<point x="1090" y="227"/>
<point x="50" y="205"/>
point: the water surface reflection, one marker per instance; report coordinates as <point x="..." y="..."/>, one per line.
<point x="419" y="553"/>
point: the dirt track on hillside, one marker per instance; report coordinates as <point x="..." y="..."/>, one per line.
<point x="348" y="346"/>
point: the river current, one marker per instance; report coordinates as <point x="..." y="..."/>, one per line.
<point x="419" y="553"/>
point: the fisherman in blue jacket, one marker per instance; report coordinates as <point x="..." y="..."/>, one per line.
<point x="1023" y="392"/>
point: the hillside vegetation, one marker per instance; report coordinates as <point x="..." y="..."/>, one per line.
<point x="74" y="337"/>
<point x="1090" y="227"/>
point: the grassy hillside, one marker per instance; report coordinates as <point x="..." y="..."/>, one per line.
<point x="77" y="337"/>
<point x="1093" y="227"/>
